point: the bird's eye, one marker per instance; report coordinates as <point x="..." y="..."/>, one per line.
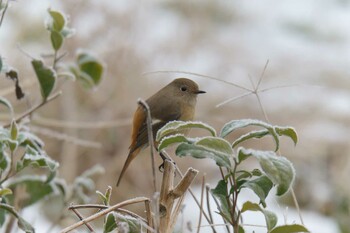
<point x="183" y="88"/>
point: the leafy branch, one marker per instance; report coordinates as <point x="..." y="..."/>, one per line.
<point x="275" y="171"/>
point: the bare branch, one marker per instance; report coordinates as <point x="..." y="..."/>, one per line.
<point x="79" y="124"/>
<point x="196" y="74"/>
<point x="201" y="208"/>
<point x="82" y="219"/>
<point x="30" y="111"/>
<point x="104" y="212"/>
<point x="150" y="139"/>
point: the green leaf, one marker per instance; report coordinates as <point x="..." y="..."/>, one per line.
<point x="242" y="155"/>
<point x="256" y="172"/>
<point x="22" y="224"/>
<point x="2" y="213"/>
<point x="12" y="144"/>
<point x="7" y="103"/>
<point x="174" y="127"/>
<point x="4" y="161"/>
<point x="46" y="77"/>
<point x="129" y="224"/>
<point x="277" y="168"/>
<point x="84" y="184"/>
<point x="108" y="195"/>
<point x="28" y="139"/>
<point x="35" y="158"/>
<point x="0" y="64"/>
<point x="67" y="32"/>
<point x="216" y="144"/>
<point x="35" y="187"/>
<point x="5" y="191"/>
<point x="238" y="124"/>
<point x="270" y="217"/>
<point x="293" y="228"/>
<point x="91" y="67"/>
<point x="168" y="140"/>
<point x="289" y="132"/>
<point x="102" y="197"/>
<point x="58" y="20"/>
<point x="221" y="195"/>
<point x="250" y="135"/>
<point x="243" y="175"/>
<point x="110" y="223"/>
<point x="241" y="229"/>
<point x="67" y="75"/>
<point x="261" y="187"/>
<point x="14" y="130"/>
<point x="56" y="40"/>
<point x="201" y="152"/>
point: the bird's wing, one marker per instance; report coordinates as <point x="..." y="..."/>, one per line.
<point x="139" y="138"/>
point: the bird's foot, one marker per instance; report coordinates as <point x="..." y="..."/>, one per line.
<point x="161" y="167"/>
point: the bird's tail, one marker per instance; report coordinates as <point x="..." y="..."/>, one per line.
<point x="131" y="156"/>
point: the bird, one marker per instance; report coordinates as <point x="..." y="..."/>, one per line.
<point x="175" y="101"/>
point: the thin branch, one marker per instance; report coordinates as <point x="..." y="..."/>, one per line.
<point x="201" y="208"/>
<point x="196" y="74"/>
<point x="156" y="212"/>
<point x="262" y="107"/>
<point x="3" y="13"/>
<point x="82" y="219"/>
<point x="150" y="139"/>
<point x="251" y="81"/>
<point x="55" y="60"/>
<point x="262" y="74"/>
<point x="97" y="206"/>
<point x="233" y="99"/>
<point x="79" y="124"/>
<point x="247" y="225"/>
<point x="287" y="86"/>
<point x="149" y="215"/>
<point x="295" y="200"/>
<point x="66" y="138"/>
<point x="30" y="111"/>
<point x="208" y="207"/>
<point x="103" y="213"/>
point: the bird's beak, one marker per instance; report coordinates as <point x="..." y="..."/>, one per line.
<point x="200" y="92"/>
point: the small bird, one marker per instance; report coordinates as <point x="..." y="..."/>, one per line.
<point x="175" y="101"/>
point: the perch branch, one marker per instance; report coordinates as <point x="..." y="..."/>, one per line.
<point x="168" y="194"/>
<point x="150" y="139"/>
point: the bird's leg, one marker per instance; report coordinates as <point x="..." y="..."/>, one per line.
<point x="161" y="167"/>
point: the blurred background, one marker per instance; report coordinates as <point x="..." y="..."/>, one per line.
<point x="306" y="82"/>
